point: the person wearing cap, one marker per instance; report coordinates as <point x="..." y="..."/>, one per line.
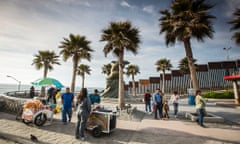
<point x="95" y="97"/>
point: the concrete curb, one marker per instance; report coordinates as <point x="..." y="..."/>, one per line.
<point x="210" y="118"/>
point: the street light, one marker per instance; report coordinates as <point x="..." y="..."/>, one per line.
<point x="19" y="82"/>
<point x="227" y="49"/>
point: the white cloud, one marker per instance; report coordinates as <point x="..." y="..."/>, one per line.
<point x="149" y="9"/>
<point x="87" y="4"/>
<point x="75" y="2"/>
<point x="31" y="25"/>
<point x="125" y="4"/>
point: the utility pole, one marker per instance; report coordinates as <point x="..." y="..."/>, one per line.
<point x="19" y="82"/>
<point x="227" y="49"/>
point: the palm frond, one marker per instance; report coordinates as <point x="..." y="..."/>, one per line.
<point x="119" y="36"/>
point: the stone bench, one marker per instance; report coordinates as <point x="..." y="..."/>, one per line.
<point x="209" y="118"/>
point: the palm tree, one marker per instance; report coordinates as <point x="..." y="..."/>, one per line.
<point x="45" y="59"/>
<point x="77" y="47"/>
<point x="163" y="65"/>
<point x="183" y="67"/>
<point x="120" y="36"/>
<point x="185" y="20"/>
<point x="133" y="70"/>
<point x="106" y="69"/>
<point x="83" y="69"/>
<point x="236" y="26"/>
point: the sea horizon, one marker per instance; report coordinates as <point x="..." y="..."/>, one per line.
<point x="8" y="87"/>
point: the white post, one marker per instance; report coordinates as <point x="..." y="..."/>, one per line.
<point x="236" y="93"/>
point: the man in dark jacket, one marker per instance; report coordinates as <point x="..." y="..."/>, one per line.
<point x="147" y="100"/>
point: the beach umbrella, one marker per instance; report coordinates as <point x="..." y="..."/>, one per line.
<point x="48" y="82"/>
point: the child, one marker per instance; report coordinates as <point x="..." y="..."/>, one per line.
<point x="166" y="109"/>
<point x="174" y="99"/>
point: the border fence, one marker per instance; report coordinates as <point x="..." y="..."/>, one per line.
<point x="210" y="77"/>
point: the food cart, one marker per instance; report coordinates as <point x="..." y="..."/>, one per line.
<point x="37" y="113"/>
<point x="101" y="121"/>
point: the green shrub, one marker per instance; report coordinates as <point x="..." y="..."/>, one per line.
<point x="214" y="95"/>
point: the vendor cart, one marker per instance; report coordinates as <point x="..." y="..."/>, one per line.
<point x="37" y="115"/>
<point x="101" y="121"/>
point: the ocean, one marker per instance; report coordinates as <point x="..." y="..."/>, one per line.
<point x="14" y="87"/>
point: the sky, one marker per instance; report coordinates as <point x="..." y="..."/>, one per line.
<point x="27" y="26"/>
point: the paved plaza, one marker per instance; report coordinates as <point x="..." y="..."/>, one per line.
<point x="148" y="130"/>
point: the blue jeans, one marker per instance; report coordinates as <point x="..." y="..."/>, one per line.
<point x="148" y="106"/>
<point x="200" y="116"/>
<point x="175" y="107"/>
<point x="66" y="111"/>
<point x="81" y="124"/>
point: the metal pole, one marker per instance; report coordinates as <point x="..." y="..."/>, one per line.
<point x="227" y="49"/>
<point x="19" y="82"/>
<point x="19" y="85"/>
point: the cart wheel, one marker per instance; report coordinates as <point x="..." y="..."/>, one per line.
<point x="40" y="119"/>
<point x="27" y="122"/>
<point x="96" y="132"/>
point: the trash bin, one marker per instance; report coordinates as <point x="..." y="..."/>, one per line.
<point x="191" y="96"/>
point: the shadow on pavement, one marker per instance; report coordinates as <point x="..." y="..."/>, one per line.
<point x="19" y="139"/>
<point x="163" y="135"/>
<point x="118" y="136"/>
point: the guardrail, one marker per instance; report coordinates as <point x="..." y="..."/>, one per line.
<point x="22" y="94"/>
<point x="26" y="94"/>
<point x="11" y="104"/>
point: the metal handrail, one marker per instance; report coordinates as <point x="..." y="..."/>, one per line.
<point x="22" y="94"/>
<point x="26" y="93"/>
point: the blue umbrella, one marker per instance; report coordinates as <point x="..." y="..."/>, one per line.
<point x="48" y="82"/>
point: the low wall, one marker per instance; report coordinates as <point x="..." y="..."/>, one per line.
<point x="209" y="118"/>
<point x="11" y="104"/>
<point x="21" y="94"/>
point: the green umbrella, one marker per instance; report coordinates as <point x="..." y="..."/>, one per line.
<point x="48" y="82"/>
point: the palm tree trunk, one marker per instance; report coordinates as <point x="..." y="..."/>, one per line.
<point x="83" y="79"/>
<point x="191" y="65"/>
<point x="134" y="86"/>
<point x="42" y="93"/>
<point x="121" y="101"/>
<point x="160" y="80"/>
<point x="45" y="71"/>
<point x="191" y="83"/>
<point x="163" y="82"/>
<point x="75" y="64"/>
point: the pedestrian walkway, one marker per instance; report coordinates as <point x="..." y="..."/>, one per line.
<point x="149" y="130"/>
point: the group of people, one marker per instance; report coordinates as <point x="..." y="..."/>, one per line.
<point x="160" y="104"/>
<point x="83" y="110"/>
<point x="83" y="105"/>
<point x="53" y="94"/>
<point x="156" y="103"/>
